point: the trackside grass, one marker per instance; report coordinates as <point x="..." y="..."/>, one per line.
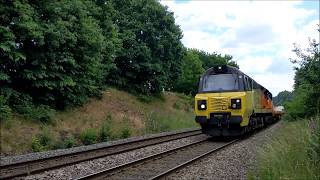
<point x="116" y="115"/>
<point x="293" y="153"/>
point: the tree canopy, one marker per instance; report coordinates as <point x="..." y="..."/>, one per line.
<point x="56" y="54"/>
<point x="282" y="98"/>
<point x="306" y="101"/>
<point x="151" y="52"/>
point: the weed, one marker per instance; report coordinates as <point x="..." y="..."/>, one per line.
<point x="158" y="122"/>
<point x="69" y="142"/>
<point x="42" y="141"/>
<point x="109" y="117"/>
<point x="125" y="132"/>
<point x="145" y="99"/>
<point x="88" y="136"/>
<point x="105" y="132"/>
<point x="292" y="154"/>
<point x="177" y="105"/>
<point x="5" y="110"/>
<point x="36" y="146"/>
<point x="40" y="113"/>
<point x="8" y="123"/>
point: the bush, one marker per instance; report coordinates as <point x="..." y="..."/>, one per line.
<point x="125" y="132"/>
<point x="88" y="136"/>
<point x="41" y="113"/>
<point x="105" y="132"/>
<point x="23" y="104"/>
<point x="36" y="146"/>
<point x="5" y="110"/>
<point x="69" y="142"/>
<point x="43" y="141"/>
<point x="145" y="99"/>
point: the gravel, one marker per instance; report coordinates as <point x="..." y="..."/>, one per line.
<point x="88" y="167"/>
<point x="234" y="162"/>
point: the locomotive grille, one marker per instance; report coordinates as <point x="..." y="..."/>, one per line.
<point x="218" y="104"/>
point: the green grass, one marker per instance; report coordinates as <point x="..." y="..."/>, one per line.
<point x="158" y="122"/>
<point x="292" y="154"/>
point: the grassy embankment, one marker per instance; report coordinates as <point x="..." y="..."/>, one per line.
<point x="117" y="115"/>
<point x="294" y="152"/>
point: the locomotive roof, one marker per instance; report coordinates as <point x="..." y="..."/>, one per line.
<point x="226" y="69"/>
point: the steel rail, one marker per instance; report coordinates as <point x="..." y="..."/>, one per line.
<point x="47" y="163"/>
<point x="101" y="174"/>
<point x="180" y="166"/>
<point x="166" y="173"/>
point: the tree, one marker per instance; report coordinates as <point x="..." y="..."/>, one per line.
<point x="151" y="53"/>
<point x="213" y="59"/>
<point x="306" y="101"/>
<point x="195" y="62"/>
<point x="53" y="52"/>
<point x="191" y="72"/>
<point x="282" y="98"/>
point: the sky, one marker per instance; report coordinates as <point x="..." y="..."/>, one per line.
<point x="258" y="34"/>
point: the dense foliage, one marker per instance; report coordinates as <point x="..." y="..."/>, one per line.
<point x="151" y="52"/>
<point x="192" y="68"/>
<point x="194" y="63"/>
<point x="306" y="101"/>
<point x="211" y="59"/>
<point x="55" y="54"/>
<point x="282" y="98"/>
<point x="52" y="53"/>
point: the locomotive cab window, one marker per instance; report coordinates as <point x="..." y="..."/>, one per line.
<point x="248" y="83"/>
<point x="220" y="82"/>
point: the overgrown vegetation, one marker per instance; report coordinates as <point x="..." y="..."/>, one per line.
<point x="294" y="152"/>
<point x="69" y="142"/>
<point x="43" y="141"/>
<point x="105" y="130"/>
<point x="157" y="122"/>
<point x="125" y="131"/>
<point x="89" y="136"/>
<point x="116" y="115"/>
<point x="306" y="100"/>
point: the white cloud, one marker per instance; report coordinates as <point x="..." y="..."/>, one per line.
<point x="274" y="82"/>
<point x="259" y="35"/>
<point x="255" y="64"/>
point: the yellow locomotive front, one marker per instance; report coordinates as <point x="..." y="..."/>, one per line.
<point x="224" y="102"/>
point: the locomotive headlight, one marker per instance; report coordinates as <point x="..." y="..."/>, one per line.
<point x="235" y="103"/>
<point x="202" y="104"/>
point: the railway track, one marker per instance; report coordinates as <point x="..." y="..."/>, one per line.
<point x="43" y="164"/>
<point x="162" y="164"/>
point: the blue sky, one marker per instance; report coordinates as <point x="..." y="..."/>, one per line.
<point x="258" y="34"/>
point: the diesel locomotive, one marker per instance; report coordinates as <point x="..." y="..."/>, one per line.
<point x="230" y="103"/>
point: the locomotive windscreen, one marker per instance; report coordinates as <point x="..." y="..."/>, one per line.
<point x="220" y="82"/>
